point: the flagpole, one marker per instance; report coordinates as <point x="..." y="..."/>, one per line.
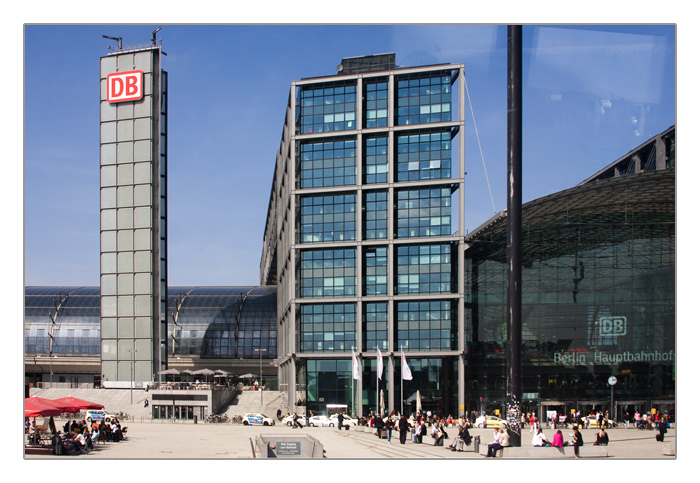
<point x="352" y="379"/>
<point x="402" y="381"/>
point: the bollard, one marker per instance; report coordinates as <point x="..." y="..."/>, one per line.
<point x="477" y="440"/>
<point x="195" y="420"/>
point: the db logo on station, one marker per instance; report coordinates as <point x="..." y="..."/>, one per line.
<point x="125" y="86"/>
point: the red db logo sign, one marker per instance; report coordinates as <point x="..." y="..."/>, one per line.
<point x="125" y="86"/>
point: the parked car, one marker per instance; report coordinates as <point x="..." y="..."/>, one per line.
<point x="257" y="419"/>
<point x="347" y="421"/>
<point x="489" y="422"/>
<point x="98" y="415"/>
<point x="289" y="420"/>
<point x="320" y="421"/>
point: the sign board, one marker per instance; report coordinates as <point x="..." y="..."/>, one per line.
<point x="125" y="86"/>
<point x="289" y="448"/>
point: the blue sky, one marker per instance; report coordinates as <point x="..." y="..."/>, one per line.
<point x="591" y="94"/>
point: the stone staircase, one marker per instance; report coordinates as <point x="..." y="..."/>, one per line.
<point x="249" y="402"/>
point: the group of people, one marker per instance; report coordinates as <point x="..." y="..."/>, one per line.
<point x="501" y="439"/>
<point x="80" y="437"/>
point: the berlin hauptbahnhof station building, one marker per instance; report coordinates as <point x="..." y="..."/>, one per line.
<point x="364" y="251"/>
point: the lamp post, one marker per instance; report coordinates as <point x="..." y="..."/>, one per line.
<point x="131" y="378"/>
<point x="260" y="385"/>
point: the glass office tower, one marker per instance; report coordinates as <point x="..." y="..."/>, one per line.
<point x="133" y="268"/>
<point x="363" y="236"/>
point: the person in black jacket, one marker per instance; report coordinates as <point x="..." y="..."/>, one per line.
<point x="379" y="424"/>
<point x="403" y="429"/>
<point x="662" y="430"/>
<point x="578" y="441"/>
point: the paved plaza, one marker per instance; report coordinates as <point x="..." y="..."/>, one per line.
<point x="185" y="440"/>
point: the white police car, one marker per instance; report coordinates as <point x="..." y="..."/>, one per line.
<point x="97" y="415"/>
<point x="257" y="419"/>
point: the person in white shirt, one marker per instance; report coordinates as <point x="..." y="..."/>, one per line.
<point x="416" y="434"/>
<point x="539" y="439"/>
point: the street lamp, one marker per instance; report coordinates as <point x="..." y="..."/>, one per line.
<point x="131" y="379"/>
<point x="260" y="385"/>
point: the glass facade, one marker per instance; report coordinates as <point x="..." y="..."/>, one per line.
<point x="423" y="156"/>
<point x="327" y="273"/>
<point x="376" y="271"/>
<point x="328" y="381"/>
<point x="425" y="325"/>
<point x="327" y="218"/>
<point x="326" y="327"/>
<point x="327" y="107"/>
<point x="76" y="331"/>
<point x="212" y="322"/>
<point x="376" y="168"/>
<point x="598" y="299"/>
<point x="224" y="322"/>
<point x="424" y="98"/>
<point x="423" y="212"/>
<point x="376" y="103"/>
<point x="375" y="328"/>
<point x="376" y="215"/>
<point x="327" y="163"/>
<point x="424" y="269"/>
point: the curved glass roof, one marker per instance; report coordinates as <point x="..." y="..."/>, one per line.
<point x="207" y="322"/>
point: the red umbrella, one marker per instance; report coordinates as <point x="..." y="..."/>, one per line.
<point x="65" y="408"/>
<point x="34" y="407"/>
<point x="76" y="403"/>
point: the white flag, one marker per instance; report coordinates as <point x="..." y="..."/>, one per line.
<point x="355" y="366"/>
<point x="380" y="364"/>
<point x="405" y="370"/>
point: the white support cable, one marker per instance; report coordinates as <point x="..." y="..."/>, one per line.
<point x="478" y="141"/>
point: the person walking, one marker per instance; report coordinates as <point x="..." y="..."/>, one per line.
<point x="403" y="429"/>
<point x="340" y="420"/>
<point x="388" y="425"/>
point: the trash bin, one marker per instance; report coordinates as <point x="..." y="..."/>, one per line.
<point x="195" y="420"/>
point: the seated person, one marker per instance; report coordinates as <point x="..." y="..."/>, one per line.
<point x="438" y="435"/>
<point x="75" y="442"/>
<point x="462" y="437"/>
<point x="417" y="434"/>
<point x="87" y="438"/>
<point x="539" y="439"/>
<point x="558" y="439"/>
<point x="601" y="438"/>
<point x="503" y="441"/>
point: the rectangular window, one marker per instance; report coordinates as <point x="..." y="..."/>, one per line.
<point x="423" y="212"/>
<point x="327" y="273"/>
<point x="374" y="326"/>
<point x="327" y="107"/>
<point x="327" y="218"/>
<point x="375" y="271"/>
<point x="376" y="166"/>
<point x="328" y="163"/>
<point x="326" y="327"/>
<point x="423" y="156"/>
<point x="428" y="325"/>
<point x="376" y="103"/>
<point x="424" y="98"/>
<point x="376" y="215"/>
<point x="424" y="269"/>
